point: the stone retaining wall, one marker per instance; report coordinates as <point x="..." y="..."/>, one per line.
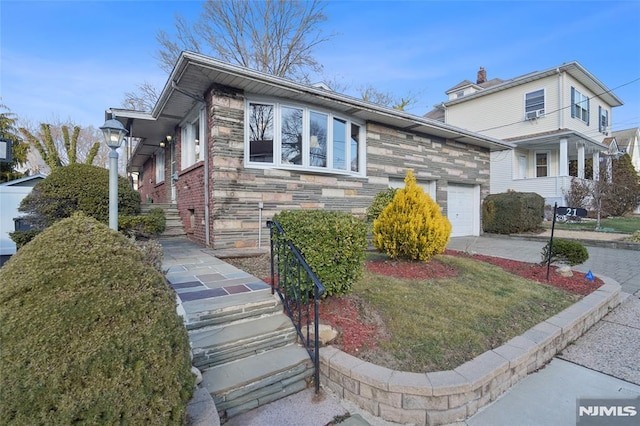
<point x="449" y="396"/>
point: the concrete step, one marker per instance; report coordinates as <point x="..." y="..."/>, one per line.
<point x="232" y="341"/>
<point x="248" y="383"/>
<point x="227" y="309"/>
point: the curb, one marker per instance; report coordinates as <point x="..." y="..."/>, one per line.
<point x="443" y="397"/>
<point x="621" y="245"/>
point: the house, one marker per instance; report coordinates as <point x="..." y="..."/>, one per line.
<point x="231" y="147"/>
<point x="557" y="119"/>
<point x="629" y="143"/>
<point x="11" y="194"/>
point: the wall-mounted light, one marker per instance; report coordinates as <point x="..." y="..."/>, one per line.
<point x="169" y="138"/>
<point x="162" y="144"/>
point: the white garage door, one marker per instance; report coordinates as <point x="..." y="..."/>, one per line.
<point x="463" y="210"/>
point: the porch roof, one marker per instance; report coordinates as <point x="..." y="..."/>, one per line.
<point x="552" y="139"/>
<point x="194" y="74"/>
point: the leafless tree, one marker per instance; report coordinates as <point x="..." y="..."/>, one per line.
<point x="144" y="99"/>
<point x="369" y="93"/>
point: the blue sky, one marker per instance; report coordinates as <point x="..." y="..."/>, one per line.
<point x="74" y="59"/>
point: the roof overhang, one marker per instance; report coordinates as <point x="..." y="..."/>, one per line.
<point x="194" y="74"/>
<point x="574" y="69"/>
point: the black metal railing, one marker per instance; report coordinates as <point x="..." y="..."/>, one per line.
<point x="299" y="289"/>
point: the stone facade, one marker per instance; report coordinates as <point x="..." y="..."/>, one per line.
<point x="242" y="199"/>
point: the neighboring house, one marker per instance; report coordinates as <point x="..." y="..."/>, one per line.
<point x="557" y="119"/>
<point x="231" y="147"/>
<point x="629" y="143"/>
<point x="11" y="194"/>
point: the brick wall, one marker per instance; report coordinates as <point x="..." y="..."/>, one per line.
<point x="149" y="189"/>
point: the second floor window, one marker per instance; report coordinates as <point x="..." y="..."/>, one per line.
<point x="603" y="122"/>
<point x="534" y="104"/>
<point x="579" y="105"/>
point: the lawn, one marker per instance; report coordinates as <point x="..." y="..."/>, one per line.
<point x="431" y="324"/>
<point x="626" y="225"/>
<point x="432" y="316"/>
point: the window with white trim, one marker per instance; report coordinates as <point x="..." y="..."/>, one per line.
<point x="542" y="164"/>
<point x="534" y="104"/>
<point x="603" y="120"/>
<point x="160" y="166"/>
<point x="193" y="134"/>
<point x="579" y="105"/>
<point x="298" y="137"/>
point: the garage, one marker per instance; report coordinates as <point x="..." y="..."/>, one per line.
<point x="463" y="209"/>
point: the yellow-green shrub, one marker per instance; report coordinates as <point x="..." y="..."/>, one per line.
<point x="90" y="333"/>
<point x="411" y="226"/>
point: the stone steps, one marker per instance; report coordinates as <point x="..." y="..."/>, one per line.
<point x="229" y="342"/>
<point x="173" y="222"/>
<point x="247" y="383"/>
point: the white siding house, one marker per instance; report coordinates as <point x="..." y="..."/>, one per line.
<point x="558" y="119"/>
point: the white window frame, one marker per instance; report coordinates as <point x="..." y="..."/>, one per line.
<point x="194" y="132"/>
<point x="532" y="111"/>
<point x="307" y="111"/>
<point x="535" y="160"/>
<point x="603" y="120"/>
<point x="160" y="165"/>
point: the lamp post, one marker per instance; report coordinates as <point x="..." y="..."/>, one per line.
<point x="114" y="133"/>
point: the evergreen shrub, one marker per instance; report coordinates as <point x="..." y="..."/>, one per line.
<point x="566" y="251"/>
<point x="77" y="187"/>
<point x="90" y="333"/>
<point x="411" y="226"/>
<point x="380" y="201"/>
<point x="512" y="212"/>
<point x="144" y="226"/>
<point x="333" y="244"/>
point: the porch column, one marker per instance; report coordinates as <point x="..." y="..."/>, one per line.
<point x="564" y="158"/>
<point x="596" y="165"/>
<point x="581" y="161"/>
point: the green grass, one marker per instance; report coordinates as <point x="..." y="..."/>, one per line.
<point x="440" y="324"/>
<point x="626" y="225"/>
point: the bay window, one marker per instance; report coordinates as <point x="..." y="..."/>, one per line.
<point x="297" y="137"/>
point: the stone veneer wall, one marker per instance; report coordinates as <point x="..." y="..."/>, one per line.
<point x="451" y="396"/>
<point x="236" y="191"/>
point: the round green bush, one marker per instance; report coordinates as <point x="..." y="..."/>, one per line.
<point x="566" y="251"/>
<point x="77" y="187"/>
<point x="380" y="201"/>
<point x="89" y="333"/>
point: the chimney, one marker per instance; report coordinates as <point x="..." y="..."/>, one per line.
<point x="482" y="76"/>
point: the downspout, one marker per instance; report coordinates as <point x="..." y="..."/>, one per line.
<point x="560" y="98"/>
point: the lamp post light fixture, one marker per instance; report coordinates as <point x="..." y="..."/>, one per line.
<point x="114" y="132"/>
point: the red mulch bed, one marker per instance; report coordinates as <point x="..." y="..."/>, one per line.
<point x="358" y="334"/>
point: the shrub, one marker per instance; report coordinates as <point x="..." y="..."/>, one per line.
<point x="634" y="238"/>
<point x="333" y="244"/>
<point x="23" y="237"/>
<point x="89" y="333"/>
<point x="77" y="187"/>
<point x="380" y="201"/>
<point x="411" y="226"/>
<point x="512" y="212"/>
<point x="566" y="251"/>
<point x="144" y="226"/>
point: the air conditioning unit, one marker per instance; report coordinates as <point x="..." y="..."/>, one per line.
<point x="531" y="115"/>
<point x="540" y="113"/>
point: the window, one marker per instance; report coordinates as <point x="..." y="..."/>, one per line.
<point x="579" y="106"/>
<point x="534" y="104"/>
<point x="160" y="166"/>
<point x="290" y="136"/>
<point x="542" y="164"/>
<point x="459" y="94"/>
<point x="261" y="133"/>
<point x="193" y="134"/>
<point x="603" y="122"/>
